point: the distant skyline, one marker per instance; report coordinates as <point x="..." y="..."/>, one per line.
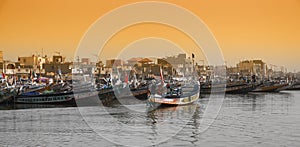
<point x="250" y="29"/>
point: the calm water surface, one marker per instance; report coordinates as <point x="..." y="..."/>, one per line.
<point x="264" y="119"/>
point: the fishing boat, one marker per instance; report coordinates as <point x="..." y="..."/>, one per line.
<point x="294" y="86"/>
<point x="88" y="98"/>
<point x="82" y="97"/>
<point x="206" y="88"/>
<point x="271" y="87"/>
<point x="119" y="89"/>
<point x="229" y="88"/>
<point x="62" y="93"/>
<point x="6" y="94"/>
<point x="104" y="86"/>
<point x="45" y="98"/>
<point x="140" y="92"/>
<point x="176" y="95"/>
<point x="241" y="88"/>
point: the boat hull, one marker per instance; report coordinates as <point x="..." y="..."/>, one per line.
<point x="46" y="98"/>
<point x="294" y="87"/>
<point x="273" y="88"/>
<point x="7" y="96"/>
<point x="230" y="89"/>
<point x="140" y="94"/>
<point x="174" y="101"/>
<point x="240" y="89"/>
<point x="84" y="98"/>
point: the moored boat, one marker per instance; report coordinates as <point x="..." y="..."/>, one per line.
<point x="177" y="95"/>
<point x="141" y="93"/>
<point x="90" y="98"/>
<point x="240" y="89"/>
<point x="55" y="94"/>
<point x="46" y="98"/>
<point x="294" y="86"/>
<point x="229" y="88"/>
<point x="270" y="87"/>
<point x="6" y="95"/>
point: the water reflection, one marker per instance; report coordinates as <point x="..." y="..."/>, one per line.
<point x="267" y="118"/>
<point x="172" y="112"/>
<point x="190" y="114"/>
<point x="260" y="102"/>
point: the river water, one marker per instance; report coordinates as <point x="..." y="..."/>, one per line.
<point x="258" y="119"/>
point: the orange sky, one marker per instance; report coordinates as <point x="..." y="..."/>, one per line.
<point x="267" y="29"/>
<point x="121" y="41"/>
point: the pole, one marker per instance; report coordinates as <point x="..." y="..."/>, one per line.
<point x="4" y="68"/>
<point x="78" y="61"/>
<point x="193" y="56"/>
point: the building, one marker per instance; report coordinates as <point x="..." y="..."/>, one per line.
<point x="232" y="71"/>
<point x="33" y="62"/>
<point x="1" y="56"/>
<point x="114" y="62"/>
<point x="9" y="67"/>
<point x="252" y="67"/>
<point x="99" y="69"/>
<point x="58" y="66"/>
<point x="58" y="59"/>
<point x="1" y="61"/>
<point x="297" y="75"/>
<point x="85" y="61"/>
<point x="180" y="63"/>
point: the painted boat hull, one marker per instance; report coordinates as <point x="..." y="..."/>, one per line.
<point x="45" y="98"/>
<point x="174" y="101"/>
<point x="86" y="98"/>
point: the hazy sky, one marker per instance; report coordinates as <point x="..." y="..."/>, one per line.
<point x="244" y="29"/>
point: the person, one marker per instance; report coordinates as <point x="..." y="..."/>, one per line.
<point x="253" y="78"/>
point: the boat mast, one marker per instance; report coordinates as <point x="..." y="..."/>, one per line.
<point x="161" y="75"/>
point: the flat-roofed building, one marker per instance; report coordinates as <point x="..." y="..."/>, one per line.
<point x="113" y="62"/>
<point x="252" y="67"/>
<point x="58" y="66"/>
